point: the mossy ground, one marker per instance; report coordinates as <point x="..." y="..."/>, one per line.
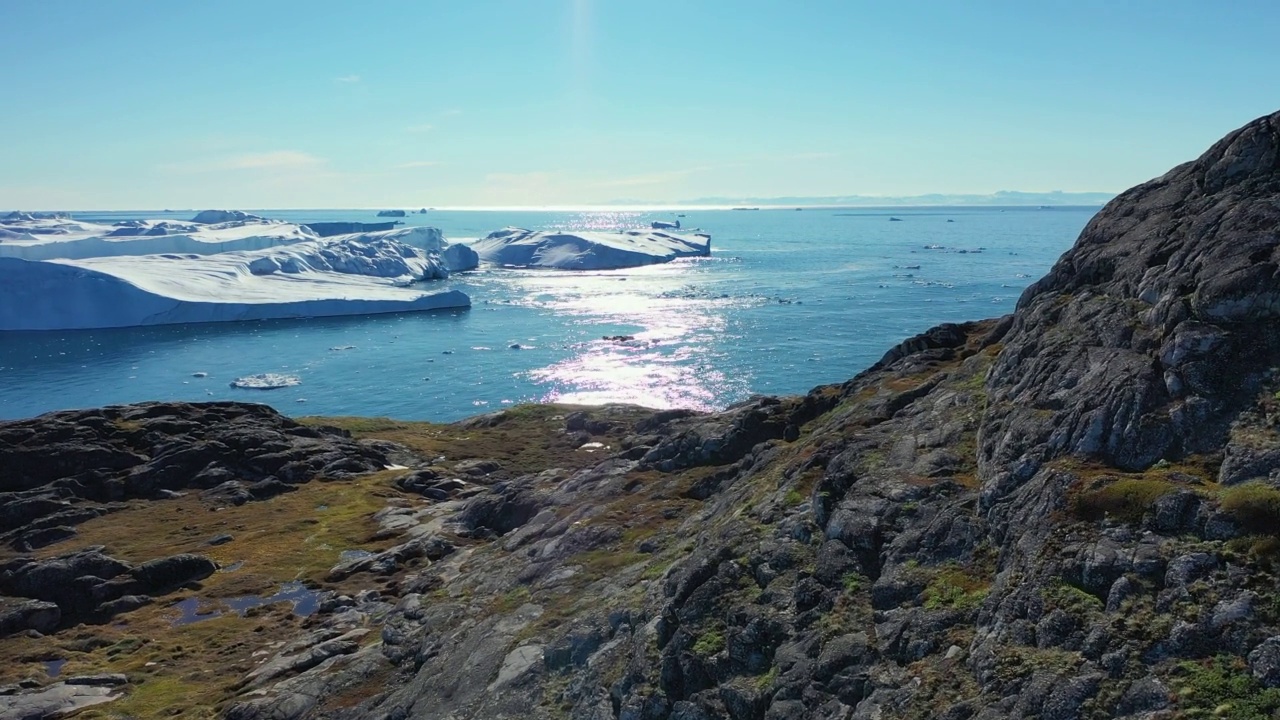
<point x="191" y="670"/>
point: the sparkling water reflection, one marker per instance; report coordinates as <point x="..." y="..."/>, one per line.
<point x="786" y="302"/>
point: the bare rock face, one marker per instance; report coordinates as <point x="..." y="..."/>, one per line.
<point x="1149" y="336"/>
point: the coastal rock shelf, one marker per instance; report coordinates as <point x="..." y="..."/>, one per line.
<point x="1069" y="512"/>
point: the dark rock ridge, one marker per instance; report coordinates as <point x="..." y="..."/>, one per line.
<point x="1070" y="512"/>
<point x="64" y="468"/>
<point x="87" y="586"/>
<point x="1149" y="337"/>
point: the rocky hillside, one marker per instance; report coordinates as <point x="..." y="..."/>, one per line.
<point x="1069" y="512"/>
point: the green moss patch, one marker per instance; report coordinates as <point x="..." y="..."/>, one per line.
<point x="1222" y="687"/>
<point x="957" y="588"/>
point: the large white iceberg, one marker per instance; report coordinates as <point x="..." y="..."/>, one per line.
<point x="49" y="238"/>
<point x="588" y="250"/>
<point x="346" y="275"/>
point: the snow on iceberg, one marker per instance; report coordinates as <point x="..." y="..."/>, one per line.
<point x="349" y="275"/>
<point x="49" y="238"/>
<point x="587" y="250"/>
<point x="457" y="258"/>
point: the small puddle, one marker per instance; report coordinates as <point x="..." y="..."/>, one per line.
<point x="304" y="599"/>
<point x="305" y="602"/>
<point x="53" y="668"/>
<point x="190" y="608"/>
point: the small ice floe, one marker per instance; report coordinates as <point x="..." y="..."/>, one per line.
<point x="266" y="381"/>
<point x="336" y="348"/>
<point x="301" y="400"/>
<point x="200" y="374"/>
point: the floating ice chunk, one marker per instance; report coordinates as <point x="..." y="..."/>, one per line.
<point x="266" y="381"/>
<point x="460" y="257"/>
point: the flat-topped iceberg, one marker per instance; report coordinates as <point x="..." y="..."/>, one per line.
<point x="29" y="237"/>
<point x="49" y="238"/>
<point x="348" y="275"/>
<point x="588" y="250"/>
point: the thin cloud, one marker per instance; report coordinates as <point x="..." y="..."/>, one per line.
<point x="424" y="127"/>
<point x="417" y="164"/>
<point x="451" y="112"/>
<point x="347" y="79"/>
<point x="271" y="161"/>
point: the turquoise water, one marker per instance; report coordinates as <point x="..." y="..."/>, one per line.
<point x="788" y="300"/>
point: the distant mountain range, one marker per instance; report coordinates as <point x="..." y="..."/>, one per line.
<point x="1003" y="197"/>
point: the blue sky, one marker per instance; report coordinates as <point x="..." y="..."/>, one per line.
<point x="238" y="103"/>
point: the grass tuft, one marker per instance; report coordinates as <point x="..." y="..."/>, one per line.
<point x="1255" y="505"/>
<point x="1126" y="499"/>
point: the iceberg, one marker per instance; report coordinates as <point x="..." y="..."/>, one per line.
<point x="348" y="275"/>
<point x="49" y="238"/>
<point x="518" y="247"/>
<point x="210" y="217"/>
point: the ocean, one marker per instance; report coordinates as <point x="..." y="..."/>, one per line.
<point x="788" y="300"/>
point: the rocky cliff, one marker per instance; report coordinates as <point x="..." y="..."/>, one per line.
<point x="1069" y="512"/>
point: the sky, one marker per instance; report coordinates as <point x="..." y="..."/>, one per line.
<point x="326" y="103"/>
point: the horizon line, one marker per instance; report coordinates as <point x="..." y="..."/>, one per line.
<point x="579" y="208"/>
